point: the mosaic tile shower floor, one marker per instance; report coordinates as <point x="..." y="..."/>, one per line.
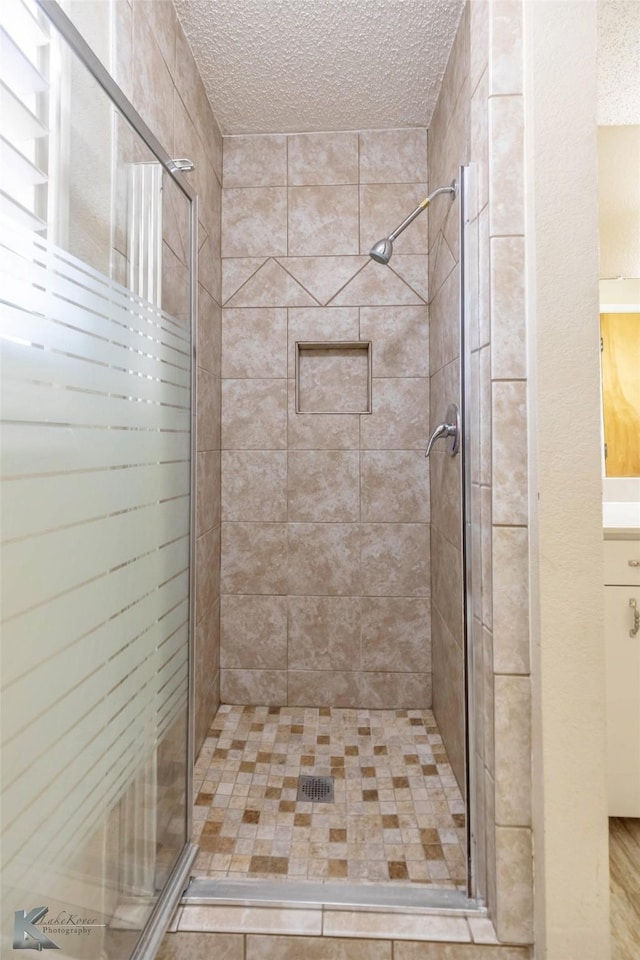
<point x="398" y="814"/>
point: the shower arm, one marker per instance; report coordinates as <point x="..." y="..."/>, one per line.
<point x="422" y="206"/>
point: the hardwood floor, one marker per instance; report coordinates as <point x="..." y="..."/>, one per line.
<point x="624" y="859"/>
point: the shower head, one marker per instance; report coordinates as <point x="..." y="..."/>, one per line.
<point x="382" y="251"/>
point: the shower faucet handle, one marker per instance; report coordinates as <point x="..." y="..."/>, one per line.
<point x="451" y="428"/>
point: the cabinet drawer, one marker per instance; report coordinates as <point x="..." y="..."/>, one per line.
<point x="622" y="562"/>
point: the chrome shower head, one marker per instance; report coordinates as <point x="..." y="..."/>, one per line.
<point x="382" y="251"/>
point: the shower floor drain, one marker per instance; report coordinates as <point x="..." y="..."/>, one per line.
<point x="315" y="789"/>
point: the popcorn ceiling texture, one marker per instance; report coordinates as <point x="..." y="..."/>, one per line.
<point x="289" y="66"/>
<point x="618" y="59"/>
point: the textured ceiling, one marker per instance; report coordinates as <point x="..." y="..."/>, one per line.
<point x="618" y="62"/>
<point x="299" y="65"/>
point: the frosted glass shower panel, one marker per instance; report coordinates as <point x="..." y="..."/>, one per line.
<point x="95" y="522"/>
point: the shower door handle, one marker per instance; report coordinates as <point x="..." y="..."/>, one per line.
<point x="451" y="428"/>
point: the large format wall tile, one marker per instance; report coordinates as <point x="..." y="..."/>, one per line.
<point x="253" y="632"/>
<point x="448" y="693"/>
<point x="380" y="691"/>
<point x="254" y="222"/>
<point x="514" y="865"/>
<point x="323" y="486"/>
<point x="307" y="688"/>
<point x="207" y="560"/>
<point x="446" y="582"/>
<point x="509" y="475"/>
<point x="446" y="493"/>
<point x="324" y="633"/>
<point x="207" y="491"/>
<point x="254" y="343"/>
<point x="323" y="221"/>
<point x="254" y="484"/>
<point x="324" y="559"/>
<point x="400" y="418"/>
<point x="256" y="687"/>
<point x="209" y="332"/>
<point x="383" y="207"/>
<point x="513" y="750"/>
<point x="393" y="156"/>
<point x="509" y="355"/>
<point x="511" y="599"/>
<point x="506" y="165"/>
<point x="254" y="414"/>
<point x="396" y="634"/>
<point x="401" y="336"/>
<point x="394" y="486"/>
<point x="254" y="558"/>
<point x="322" y="158"/>
<point x="208" y="411"/>
<point x="505" y="60"/>
<point x="255" y="161"/>
<point x="395" y="559"/>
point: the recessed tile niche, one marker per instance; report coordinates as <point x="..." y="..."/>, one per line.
<point x="333" y="377"/>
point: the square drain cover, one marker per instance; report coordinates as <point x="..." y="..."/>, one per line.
<point x="315" y="789"/>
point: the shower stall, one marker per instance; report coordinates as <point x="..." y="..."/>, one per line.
<point x="337" y="765"/>
<point x="340" y="764"/>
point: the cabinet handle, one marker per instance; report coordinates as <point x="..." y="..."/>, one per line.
<point x="634" y="563"/>
<point x="636" y="618"/>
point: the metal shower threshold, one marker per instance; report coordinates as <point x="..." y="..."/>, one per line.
<point x="205" y="891"/>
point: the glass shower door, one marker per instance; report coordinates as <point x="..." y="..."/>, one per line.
<point x="96" y="263"/>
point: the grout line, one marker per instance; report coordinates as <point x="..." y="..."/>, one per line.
<point x="286" y="178"/>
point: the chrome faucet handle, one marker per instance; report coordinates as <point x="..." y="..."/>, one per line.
<point x="442" y="430"/>
<point x="451" y="428"/>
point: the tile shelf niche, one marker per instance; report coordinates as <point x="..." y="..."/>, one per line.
<point x="333" y="376"/>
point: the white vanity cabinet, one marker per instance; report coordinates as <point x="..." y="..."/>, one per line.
<point x="622" y="640"/>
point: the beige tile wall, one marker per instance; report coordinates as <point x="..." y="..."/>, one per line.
<point x="501" y="469"/>
<point x="155" y="68"/>
<point x="448" y="149"/>
<point x="325" y="517"/>
<point x="479" y="119"/>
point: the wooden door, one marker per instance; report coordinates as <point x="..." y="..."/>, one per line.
<point x="621" y="392"/>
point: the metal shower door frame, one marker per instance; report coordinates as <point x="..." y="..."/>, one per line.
<point x="467" y="187"/>
<point x="161" y="915"/>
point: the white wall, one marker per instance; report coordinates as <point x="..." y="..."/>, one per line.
<point x="570" y="821"/>
<point x="619" y="201"/>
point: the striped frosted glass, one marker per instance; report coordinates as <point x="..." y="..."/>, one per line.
<point x="94" y="512"/>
